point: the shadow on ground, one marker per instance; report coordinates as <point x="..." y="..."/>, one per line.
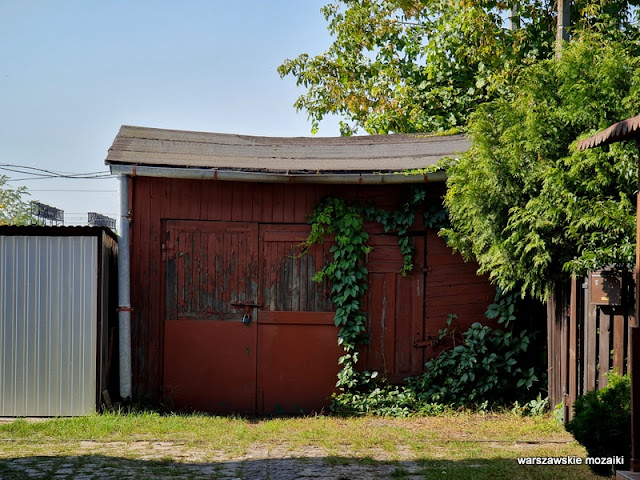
<point x="94" y="467"/>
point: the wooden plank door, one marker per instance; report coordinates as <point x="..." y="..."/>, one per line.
<point x="211" y="279"/>
<point x="395" y="309"/>
<point x="298" y="347"/>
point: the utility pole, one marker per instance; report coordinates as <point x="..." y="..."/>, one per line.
<point x="564" y="21"/>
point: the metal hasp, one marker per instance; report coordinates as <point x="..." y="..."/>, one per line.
<point x="628" y="129"/>
<point x="246" y="318"/>
<point x="246" y="305"/>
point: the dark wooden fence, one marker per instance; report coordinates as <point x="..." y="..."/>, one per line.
<point x="587" y="334"/>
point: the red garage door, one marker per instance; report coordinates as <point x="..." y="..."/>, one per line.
<point x="246" y="328"/>
<point x="297" y="339"/>
<point x="211" y="274"/>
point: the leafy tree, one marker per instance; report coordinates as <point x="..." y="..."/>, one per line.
<point x="14" y="210"/>
<point x="425" y="65"/>
<point x="522" y="200"/>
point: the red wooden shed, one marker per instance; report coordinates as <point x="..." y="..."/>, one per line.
<point x="225" y="316"/>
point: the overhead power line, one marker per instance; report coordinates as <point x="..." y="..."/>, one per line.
<point x="69" y="190"/>
<point x="36" y="173"/>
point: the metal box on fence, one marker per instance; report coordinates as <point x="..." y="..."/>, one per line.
<point x="606" y="287"/>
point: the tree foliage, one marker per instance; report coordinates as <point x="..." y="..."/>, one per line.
<point x="425" y="65"/>
<point x="14" y="210"/>
<point x="522" y="200"/>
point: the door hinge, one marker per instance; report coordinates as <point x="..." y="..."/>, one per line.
<point x="429" y="341"/>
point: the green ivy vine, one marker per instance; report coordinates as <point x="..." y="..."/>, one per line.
<point x="479" y="371"/>
<point x="346" y="271"/>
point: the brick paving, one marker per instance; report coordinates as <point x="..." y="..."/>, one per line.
<point x="165" y="460"/>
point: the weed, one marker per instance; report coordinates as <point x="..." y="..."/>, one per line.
<point x="400" y="473"/>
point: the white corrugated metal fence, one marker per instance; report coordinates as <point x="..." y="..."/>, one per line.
<point x="48" y="325"/>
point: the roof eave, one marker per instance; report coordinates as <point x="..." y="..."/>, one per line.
<point x="628" y="129"/>
<point x="218" y="174"/>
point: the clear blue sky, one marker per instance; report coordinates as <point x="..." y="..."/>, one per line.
<point x="73" y="71"/>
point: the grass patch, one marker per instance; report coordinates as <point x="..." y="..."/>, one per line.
<point x="462" y="445"/>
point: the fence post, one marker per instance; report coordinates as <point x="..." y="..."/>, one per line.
<point x="634" y="362"/>
<point x="572" y="360"/>
<point x="553" y="357"/>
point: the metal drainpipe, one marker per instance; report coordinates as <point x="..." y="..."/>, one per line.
<point x="124" y="302"/>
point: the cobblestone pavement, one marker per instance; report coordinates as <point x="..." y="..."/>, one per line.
<point x="164" y="460"/>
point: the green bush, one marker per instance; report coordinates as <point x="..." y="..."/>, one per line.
<point x="489" y="368"/>
<point x="493" y="367"/>
<point x="602" y="422"/>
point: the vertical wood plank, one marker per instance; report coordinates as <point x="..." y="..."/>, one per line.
<point x="256" y="198"/>
<point x="212" y="200"/>
<point x="305" y="280"/>
<point x="590" y="360"/>
<point x="246" y="281"/>
<point x="300" y="204"/>
<point x="376" y="354"/>
<point x="275" y="278"/>
<point x="550" y="356"/>
<point x="267" y="203"/>
<point x="564" y="349"/>
<point x="278" y="203"/>
<point x="310" y="202"/>
<point x="140" y="262"/>
<point x="286" y="280"/>
<point x="186" y="199"/>
<point x="582" y="347"/>
<point x="247" y="201"/>
<point x="221" y="273"/>
<point x="237" y="198"/>
<point x="205" y="292"/>
<point x="403" y="325"/>
<point x="323" y="256"/>
<point x="289" y="204"/>
<point x="236" y="259"/>
<point x="572" y="389"/>
<point x="226" y="200"/>
<point x="417" y="308"/>
<point x="389" y="306"/>
<point x="197" y="272"/>
<point x="160" y="210"/>
<point x="213" y="276"/>
<point x="618" y="344"/>
<point x="228" y="272"/>
<point x="604" y="348"/>
<point x="298" y="286"/>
